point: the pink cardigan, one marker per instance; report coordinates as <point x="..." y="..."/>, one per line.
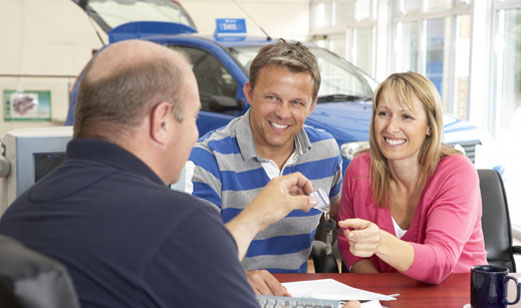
<point x="446" y="229"/>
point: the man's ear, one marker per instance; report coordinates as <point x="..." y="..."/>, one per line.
<point x="248" y="92"/>
<point x="313" y="104"/>
<point x="161" y="122"/>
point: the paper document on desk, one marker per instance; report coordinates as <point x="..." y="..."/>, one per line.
<point x="331" y="289"/>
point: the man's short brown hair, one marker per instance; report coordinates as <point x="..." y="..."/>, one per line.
<point x="292" y="55"/>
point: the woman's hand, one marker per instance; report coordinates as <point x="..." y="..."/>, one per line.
<point x="364" y="236"/>
<point x="367" y="239"/>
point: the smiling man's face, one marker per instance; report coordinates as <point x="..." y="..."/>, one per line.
<point x="280" y="102"/>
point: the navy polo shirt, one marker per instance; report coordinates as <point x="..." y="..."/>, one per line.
<point x="126" y="239"/>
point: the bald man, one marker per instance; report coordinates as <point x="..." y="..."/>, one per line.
<point x="107" y="213"/>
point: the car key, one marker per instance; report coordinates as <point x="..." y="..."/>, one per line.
<point x="324" y="205"/>
<point x="330" y="225"/>
<point x="322" y="199"/>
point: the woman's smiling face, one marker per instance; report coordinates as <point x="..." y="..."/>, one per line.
<point x="400" y="130"/>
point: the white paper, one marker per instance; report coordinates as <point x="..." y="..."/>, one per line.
<point x="331" y="289"/>
<point x="371" y="304"/>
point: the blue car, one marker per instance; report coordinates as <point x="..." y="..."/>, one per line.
<point x="221" y="66"/>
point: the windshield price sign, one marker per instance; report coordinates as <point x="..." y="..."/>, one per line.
<point x="230" y="26"/>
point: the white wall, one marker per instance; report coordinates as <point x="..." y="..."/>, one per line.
<point x="52" y="38"/>
<point x="288" y="19"/>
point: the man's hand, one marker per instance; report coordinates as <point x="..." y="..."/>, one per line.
<point x="282" y="195"/>
<point x="352" y="304"/>
<point x="262" y="282"/>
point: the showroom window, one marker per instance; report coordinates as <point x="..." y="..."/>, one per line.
<point x="346" y="27"/>
<point x="321" y="14"/>
<point x="508" y="86"/>
<point x="506" y="112"/>
<point x="432" y="37"/>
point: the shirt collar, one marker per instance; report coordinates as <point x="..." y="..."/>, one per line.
<point x="110" y="154"/>
<point x="247" y="146"/>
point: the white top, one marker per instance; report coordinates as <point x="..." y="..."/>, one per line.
<point x="397" y="230"/>
<point x="272" y="169"/>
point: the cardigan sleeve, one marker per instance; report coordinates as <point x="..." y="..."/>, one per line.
<point x="346" y="210"/>
<point x="452" y="205"/>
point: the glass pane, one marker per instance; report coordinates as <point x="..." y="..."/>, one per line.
<point x="462" y="62"/>
<point x="212" y="78"/>
<point x="363" y="38"/>
<point x="406" y="48"/>
<point x="337" y="44"/>
<point x="343" y="12"/>
<point x="436" y="54"/>
<point x="112" y="13"/>
<point x="338" y="75"/>
<point x="510" y="72"/>
<point x="437" y="5"/>
<point x="320" y="43"/>
<point x="321" y="14"/>
<point x="407" y="6"/>
<point x="462" y="3"/>
<point x="363" y="10"/>
<point x="508" y="106"/>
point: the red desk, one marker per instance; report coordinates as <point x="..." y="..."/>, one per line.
<point x="453" y="292"/>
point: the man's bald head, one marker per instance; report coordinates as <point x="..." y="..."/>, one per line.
<point x="123" y="83"/>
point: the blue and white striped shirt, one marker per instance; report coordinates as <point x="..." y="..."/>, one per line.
<point x="225" y="170"/>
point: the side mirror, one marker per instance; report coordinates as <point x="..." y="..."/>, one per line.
<point x="220" y="103"/>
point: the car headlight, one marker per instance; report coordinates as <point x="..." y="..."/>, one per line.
<point x="349" y="149"/>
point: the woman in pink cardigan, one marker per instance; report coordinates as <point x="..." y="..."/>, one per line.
<point x="410" y="204"/>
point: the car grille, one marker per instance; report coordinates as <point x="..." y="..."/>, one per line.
<point x="469" y="147"/>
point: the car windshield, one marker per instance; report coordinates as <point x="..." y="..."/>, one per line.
<point x="341" y="81"/>
<point x="109" y="14"/>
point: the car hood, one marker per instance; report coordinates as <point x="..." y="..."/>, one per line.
<point x="455" y="130"/>
<point x="350" y="121"/>
<point x="346" y="121"/>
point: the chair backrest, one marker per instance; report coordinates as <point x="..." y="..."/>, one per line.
<point x="323" y="262"/>
<point x="36" y="281"/>
<point x="496" y="220"/>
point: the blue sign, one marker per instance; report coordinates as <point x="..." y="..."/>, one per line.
<point x="230" y="26"/>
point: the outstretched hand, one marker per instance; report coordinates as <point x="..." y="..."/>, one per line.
<point x="367" y="239"/>
<point x="282" y="195"/>
<point x="364" y="236"/>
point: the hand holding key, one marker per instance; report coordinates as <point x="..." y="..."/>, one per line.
<point x="282" y="195"/>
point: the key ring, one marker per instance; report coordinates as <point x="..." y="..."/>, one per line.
<point x="322" y="199"/>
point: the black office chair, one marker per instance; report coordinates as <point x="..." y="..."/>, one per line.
<point x="322" y="262"/>
<point x="31" y="280"/>
<point x="496" y="220"/>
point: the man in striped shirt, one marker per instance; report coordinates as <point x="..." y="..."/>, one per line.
<point x="229" y="166"/>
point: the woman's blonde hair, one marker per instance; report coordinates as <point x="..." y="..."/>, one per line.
<point x="407" y="86"/>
